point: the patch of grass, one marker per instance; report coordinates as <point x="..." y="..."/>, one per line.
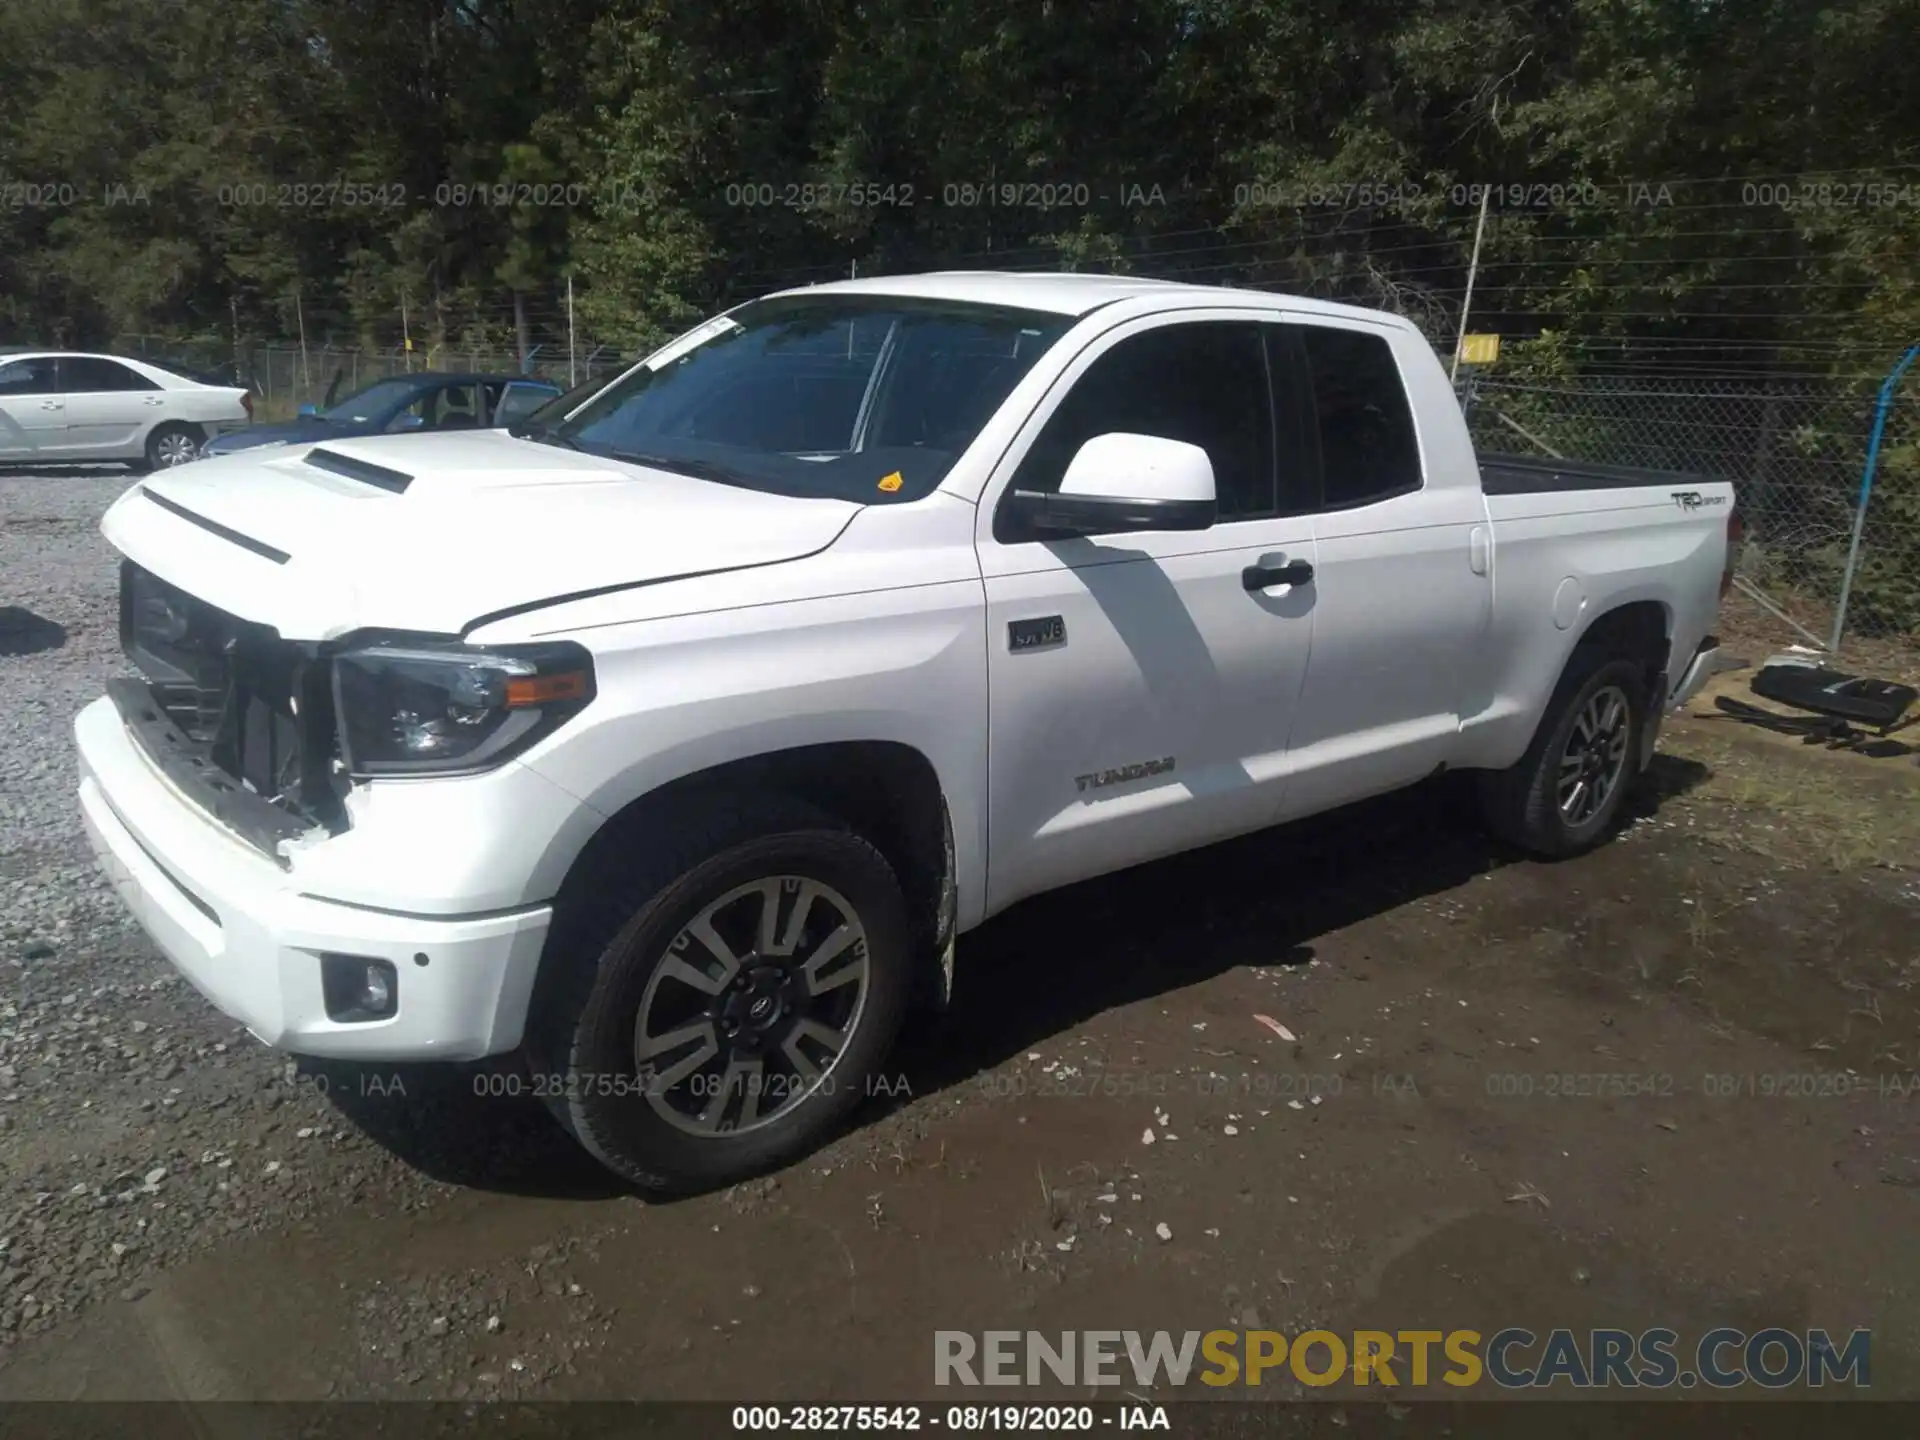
<point x="1797" y="805"/>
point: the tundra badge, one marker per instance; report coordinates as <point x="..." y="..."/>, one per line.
<point x="1139" y="770"/>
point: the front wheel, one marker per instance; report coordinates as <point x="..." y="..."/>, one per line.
<point x="752" y="983"/>
<point x="1566" y="791"/>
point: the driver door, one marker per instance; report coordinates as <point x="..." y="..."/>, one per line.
<point x="1142" y="685"/>
<point x="33" y="416"/>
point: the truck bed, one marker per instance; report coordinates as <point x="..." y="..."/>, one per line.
<point x="1525" y="475"/>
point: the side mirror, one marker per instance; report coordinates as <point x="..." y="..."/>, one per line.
<point x="1120" y="482"/>
<point x="309" y="410"/>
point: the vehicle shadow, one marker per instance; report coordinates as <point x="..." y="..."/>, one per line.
<point x="1059" y="959"/>
<point x="24" y="633"/>
<point x="1043" y="967"/>
<point x="471" y="1125"/>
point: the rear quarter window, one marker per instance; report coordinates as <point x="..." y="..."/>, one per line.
<point x="1368" y="447"/>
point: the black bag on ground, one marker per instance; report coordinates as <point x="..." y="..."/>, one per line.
<point x="1876" y="703"/>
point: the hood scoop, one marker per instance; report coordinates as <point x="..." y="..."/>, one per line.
<point x="365" y="471"/>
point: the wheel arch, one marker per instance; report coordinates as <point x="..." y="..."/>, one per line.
<point x="193" y="428"/>
<point x="886" y="791"/>
<point x="1639" y="628"/>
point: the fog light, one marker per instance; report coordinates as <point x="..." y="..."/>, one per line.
<point x="359" y="988"/>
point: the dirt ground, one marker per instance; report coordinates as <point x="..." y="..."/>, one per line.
<point x="1757" y="919"/>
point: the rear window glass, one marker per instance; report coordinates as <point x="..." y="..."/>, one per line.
<point x="1368" y="450"/>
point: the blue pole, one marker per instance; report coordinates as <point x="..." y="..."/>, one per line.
<point x="1887" y="387"/>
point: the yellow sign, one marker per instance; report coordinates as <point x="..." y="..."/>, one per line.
<point x="891" y="483"/>
<point x="1479" y="349"/>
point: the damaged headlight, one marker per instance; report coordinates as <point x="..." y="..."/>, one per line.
<point x="154" y="611"/>
<point x="428" y="708"/>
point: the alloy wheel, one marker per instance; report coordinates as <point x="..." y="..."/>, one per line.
<point x="1595" y="757"/>
<point x="175" y="448"/>
<point x="752" y="1006"/>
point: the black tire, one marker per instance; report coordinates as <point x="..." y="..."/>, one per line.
<point x="1522" y="805"/>
<point x="164" y="436"/>
<point x="614" y="934"/>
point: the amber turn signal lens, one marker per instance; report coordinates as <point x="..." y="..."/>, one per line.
<point x="545" y="689"/>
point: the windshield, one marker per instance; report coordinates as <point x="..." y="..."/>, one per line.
<point x="375" y="403"/>
<point x="868" y="398"/>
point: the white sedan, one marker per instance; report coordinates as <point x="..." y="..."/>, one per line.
<point x="59" y="407"/>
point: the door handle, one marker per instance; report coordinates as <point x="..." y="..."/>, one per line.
<point x="1294" y="572"/>
<point x="154" y="400"/>
<point x="50" y="405"/>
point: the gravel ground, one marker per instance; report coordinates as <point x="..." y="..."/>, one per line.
<point x="188" y="1132"/>
<point x="59" y="598"/>
<point x="137" y="1124"/>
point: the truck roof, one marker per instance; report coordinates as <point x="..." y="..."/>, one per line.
<point x="1076" y="293"/>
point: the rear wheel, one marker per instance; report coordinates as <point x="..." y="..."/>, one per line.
<point x="724" y="998"/>
<point x="170" y="445"/>
<point x="1566" y="791"/>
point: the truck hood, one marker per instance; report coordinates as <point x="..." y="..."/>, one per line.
<point x="432" y="533"/>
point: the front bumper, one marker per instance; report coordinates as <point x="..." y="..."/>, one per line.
<point x="240" y="929"/>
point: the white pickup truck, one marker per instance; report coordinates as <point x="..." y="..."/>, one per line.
<point x="670" y="743"/>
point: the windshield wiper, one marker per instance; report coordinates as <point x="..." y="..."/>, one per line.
<point x="698" y="469"/>
<point x="541" y="435"/>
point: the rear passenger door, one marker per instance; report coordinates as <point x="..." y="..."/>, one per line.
<point x="1403" y="583"/>
<point x="110" y="408"/>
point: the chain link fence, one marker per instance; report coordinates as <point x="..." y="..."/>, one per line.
<point x="284" y="377"/>
<point x="1795" y="452"/>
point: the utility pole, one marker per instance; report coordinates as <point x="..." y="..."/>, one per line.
<point x="233" y="305"/>
<point x="406" y="332"/>
<point x="306" y="370"/>
<point x="571" y="381"/>
<point x="1888" y="389"/>
<point x="1473" y="269"/>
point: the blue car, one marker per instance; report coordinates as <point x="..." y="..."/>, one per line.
<point x="402" y="403"/>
